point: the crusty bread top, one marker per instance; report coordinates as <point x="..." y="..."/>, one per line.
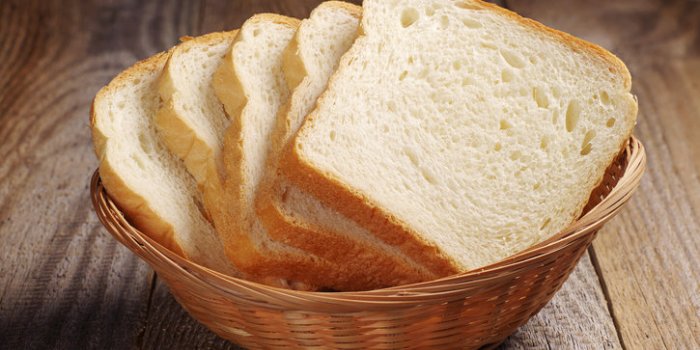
<point x="461" y="131"/>
<point x="149" y="184"/>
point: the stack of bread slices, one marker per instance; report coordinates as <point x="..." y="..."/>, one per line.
<point x="362" y="147"/>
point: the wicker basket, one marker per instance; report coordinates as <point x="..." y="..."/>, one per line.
<point x="474" y="309"/>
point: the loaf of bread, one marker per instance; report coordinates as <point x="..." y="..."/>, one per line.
<point x="462" y="132"/>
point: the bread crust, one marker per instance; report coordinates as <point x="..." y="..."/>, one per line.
<point x="353" y="204"/>
<point x="371" y="267"/>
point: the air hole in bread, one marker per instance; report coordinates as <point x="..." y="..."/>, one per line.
<point x="545" y="223"/>
<point x="444" y="22"/>
<point x="504" y="125"/>
<point x="533" y="59"/>
<point x="467" y="81"/>
<point x="138" y="161"/>
<point x="428" y="176"/>
<point x="497" y="147"/>
<point x="411" y="156"/>
<point x="471" y="23"/>
<point x="409" y="16"/>
<point x="540" y="97"/>
<point x="331" y="135"/>
<point x="256" y="32"/>
<point x="145" y="143"/>
<point x="586" y="144"/>
<point x="605" y="98"/>
<point x="556" y="92"/>
<point x="410" y="60"/>
<point x="506" y="76"/>
<point x="573" y="112"/>
<point x="536" y="186"/>
<point x="456" y="65"/>
<point x="429" y="11"/>
<point x="488" y="45"/>
<point x="468" y="6"/>
<point x="513" y="59"/>
<point x="403" y="75"/>
<point x="544" y="142"/>
<point x="610" y="122"/>
<point x="515" y="155"/>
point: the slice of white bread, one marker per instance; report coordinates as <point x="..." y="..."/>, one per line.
<point x="147" y="182"/>
<point x="251" y="86"/>
<point x="191" y="119"/>
<point x="462" y="127"/>
<point x="290" y="215"/>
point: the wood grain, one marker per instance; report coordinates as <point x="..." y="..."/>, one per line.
<point x="64" y="282"/>
<point x="649" y="255"/>
<point x="170" y="327"/>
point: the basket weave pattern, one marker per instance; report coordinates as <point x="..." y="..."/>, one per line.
<point x="474" y="309"/>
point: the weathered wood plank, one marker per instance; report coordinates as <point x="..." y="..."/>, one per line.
<point x="170" y="327"/>
<point x="649" y="255"/>
<point x="64" y="282"/>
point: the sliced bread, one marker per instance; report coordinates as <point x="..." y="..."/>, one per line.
<point x="192" y="123"/>
<point x="251" y="86"/>
<point x="289" y="214"/>
<point x="191" y="119"/>
<point x="147" y="182"/>
<point x="461" y="132"/>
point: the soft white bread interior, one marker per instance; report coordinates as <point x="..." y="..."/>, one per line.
<point x="149" y="183"/>
<point x="289" y="214"/>
<point x="462" y="128"/>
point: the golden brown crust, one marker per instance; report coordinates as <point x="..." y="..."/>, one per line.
<point x="275" y="18"/>
<point x="371" y="266"/>
<point x="352" y="9"/>
<point x="368" y="267"/>
<point x="356" y="206"/>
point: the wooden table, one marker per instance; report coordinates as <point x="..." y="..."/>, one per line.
<point x="65" y="283"/>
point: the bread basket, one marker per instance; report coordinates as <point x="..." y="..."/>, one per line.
<point x="474" y="309"/>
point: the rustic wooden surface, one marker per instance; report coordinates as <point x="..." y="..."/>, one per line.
<point x="66" y="284"/>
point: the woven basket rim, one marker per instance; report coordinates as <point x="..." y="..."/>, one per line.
<point x="115" y="222"/>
